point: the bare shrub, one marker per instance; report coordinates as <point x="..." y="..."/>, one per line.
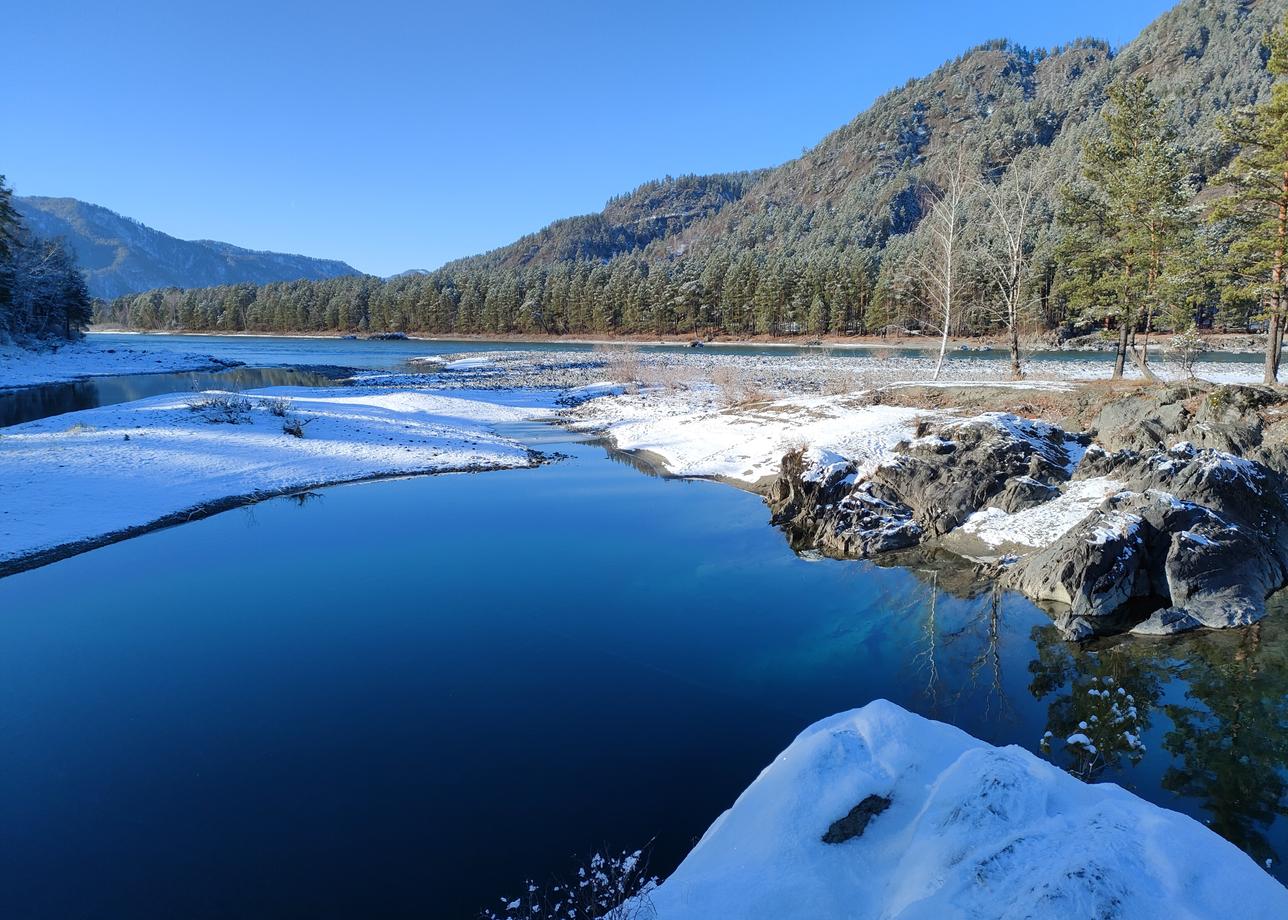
<point x="736" y="387"/>
<point x="605" y="887"/>
<point x="622" y="364"/>
<point x="218" y="407"/>
<point x="278" y="406"/>
<point x="1186" y="348"/>
<point x="668" y="374"/>
<point x="294" y="427"/>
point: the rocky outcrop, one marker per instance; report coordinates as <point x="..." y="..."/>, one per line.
<point x="1191" y="535"/>
<point x="928" y="487"/>
<point x="1200" y="535"/>
<point x="1225" y="418"/>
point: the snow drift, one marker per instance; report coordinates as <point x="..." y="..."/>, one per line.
<point x="971" y="830"/>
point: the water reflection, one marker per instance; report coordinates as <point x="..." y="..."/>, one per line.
<point x="1221" y="704"/>
<point x="31" y="403"/>
<point x="350" y="708"/>
<point x="1230" y="735"/>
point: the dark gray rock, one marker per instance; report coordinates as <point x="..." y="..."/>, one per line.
<point x="930" y="486"/>
<point x="856" y="821"/>
<point x="1200" y="534"/>
<point x="1195" y="536"/>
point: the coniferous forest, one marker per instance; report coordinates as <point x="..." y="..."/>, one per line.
<point x="42" y="292"/>
<point x="1010" y="192"/>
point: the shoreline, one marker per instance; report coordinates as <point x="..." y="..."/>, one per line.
<point x="912" y="343"/>
<point x="48" y="555"/>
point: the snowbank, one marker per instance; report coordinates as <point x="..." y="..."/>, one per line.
<point x="695" y="436"/>
<point x="971" y="831"/>
<point x="20" y="367"/>
<point x="73" y="481"/>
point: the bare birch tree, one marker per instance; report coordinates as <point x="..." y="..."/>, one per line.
<point x="1009" y="234"/>
<point x="939" y="259"/>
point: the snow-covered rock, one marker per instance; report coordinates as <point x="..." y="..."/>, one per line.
<point x="971" y="831"/>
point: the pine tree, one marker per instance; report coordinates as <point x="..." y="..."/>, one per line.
<point x="1256" y="209"/>
<point x="1125" y="217"/>
<point x="10" y="228"/>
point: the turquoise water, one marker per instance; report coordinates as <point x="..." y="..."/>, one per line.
<point x="402" y="698"/>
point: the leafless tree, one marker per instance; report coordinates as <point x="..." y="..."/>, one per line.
<point x="1008" y="238"/>
<point x="939" y="259"/>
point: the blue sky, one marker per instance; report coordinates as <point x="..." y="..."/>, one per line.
<point x="399" y="135"/>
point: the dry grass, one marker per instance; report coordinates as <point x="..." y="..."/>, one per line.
<point x="622" y="365"/>
<point x="737" y="388"/>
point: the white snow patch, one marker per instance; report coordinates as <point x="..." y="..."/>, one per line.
<point x="87" y="474"/>
<point x="695" y="436"/>
<point x="1042" y="524"/>
<point x="21" y="367"/>
<point x="971" y="831"/>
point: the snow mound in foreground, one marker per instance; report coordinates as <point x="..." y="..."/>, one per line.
<point x="971" y="831"/>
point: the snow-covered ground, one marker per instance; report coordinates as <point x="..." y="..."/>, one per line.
<point x="787" y="373"/>
<point x="695" y="436"/>
<point x="86" y="476"/>
<point x="970" y="831"/>
<point x="20" y="367"/>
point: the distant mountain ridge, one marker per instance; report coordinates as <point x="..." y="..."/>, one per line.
<point x="827" y="243"/>
<point x="120" y="255"/>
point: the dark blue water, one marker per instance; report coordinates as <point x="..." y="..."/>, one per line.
<point x="402" y="698"/>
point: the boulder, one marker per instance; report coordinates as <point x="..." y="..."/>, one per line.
<point x="1200" y="535"/>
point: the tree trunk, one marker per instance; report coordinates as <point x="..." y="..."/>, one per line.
<point x="1017" y="373"/>
<point x="1120" y="359"/>
<point x="943" y="347"/>
<point x="1274" y="328"/>
<point x="1273" y="336"/>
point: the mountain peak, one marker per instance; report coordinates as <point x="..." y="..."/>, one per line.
<point x="120" y="255"/>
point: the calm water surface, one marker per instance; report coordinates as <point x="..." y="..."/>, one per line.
<point x="261" y="350"/>
<point x="401" y="698"/>
<point x="28" y="403"/>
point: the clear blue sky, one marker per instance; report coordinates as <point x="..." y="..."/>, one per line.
<point x="399" y="135"/>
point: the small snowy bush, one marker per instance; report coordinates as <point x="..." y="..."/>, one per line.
<point x="221" y="408"/>
<point x="278" y="406"/>
<point x="294" y="427"/>
<point x="1186" y="347"/>
<point x="605" y="888"/>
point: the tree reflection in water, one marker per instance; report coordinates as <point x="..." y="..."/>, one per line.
<point x="1221" y="700"/>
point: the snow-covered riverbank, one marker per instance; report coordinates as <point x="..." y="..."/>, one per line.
<point x="79" y="480"/>
<point x="21" y="367"/>
<point x="695" y="434"/>
<point x="941" y="825"/>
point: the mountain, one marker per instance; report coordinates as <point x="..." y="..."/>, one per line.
<point x="1011" y="107"/>
<point x="120" y="256"/>
<point x="824" y="243"/>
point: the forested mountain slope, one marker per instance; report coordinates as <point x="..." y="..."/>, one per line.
<point x="122" y="256"/>
<point x="823" y="244"/>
